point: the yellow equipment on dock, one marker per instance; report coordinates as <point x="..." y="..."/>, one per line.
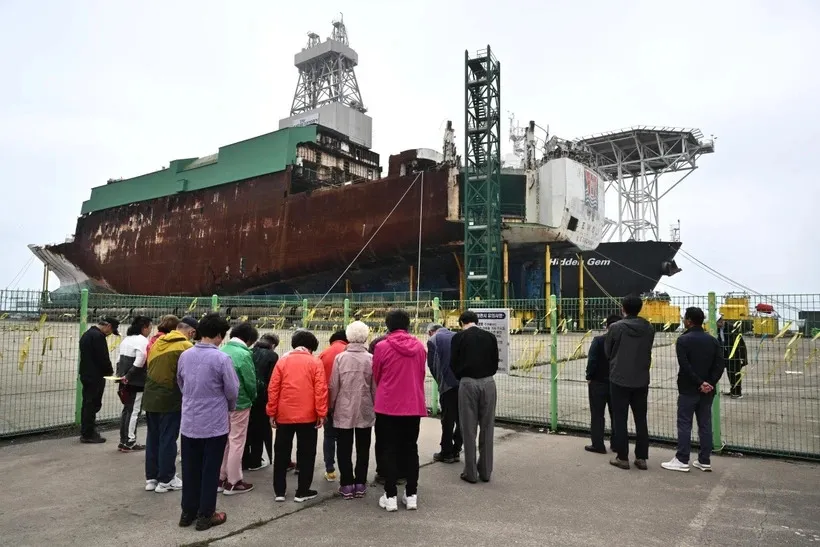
<point x="736" y="308"/>
<point x="659" y="311"/>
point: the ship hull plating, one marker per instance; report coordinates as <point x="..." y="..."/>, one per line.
<point x="255" y="237"/>
<point x="244" y="236"/>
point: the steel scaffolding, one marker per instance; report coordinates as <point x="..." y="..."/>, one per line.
<point x="482" y="201"/>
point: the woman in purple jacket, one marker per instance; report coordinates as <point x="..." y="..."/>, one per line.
<point x="210" y="387"/>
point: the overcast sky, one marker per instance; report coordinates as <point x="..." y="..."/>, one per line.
<point x="98" y="89"/>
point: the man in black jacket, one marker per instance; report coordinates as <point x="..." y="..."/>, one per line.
<point x="628" y="346"/>
<point x="474" y="362"/>
<point x="598" y="383"/>
<point x="727" y="335"/>
<point x="95" y="364"/>
<point x="700" y="358"/>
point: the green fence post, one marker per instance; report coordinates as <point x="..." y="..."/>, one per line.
<point x="553" y="364"/>
<point x="347" y="312"/>
<point x="214" y="303"/>
<point x="717" y="445"/>
<point x="304" y="313"/>
<point x="436" y="318"/>
<point x="78" y="397"/>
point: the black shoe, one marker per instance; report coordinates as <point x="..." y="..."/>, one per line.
<point x="186" y="520"/>
<point x="641" y="464"/>
<point x="443" y="458"/>
<point x="596" y="449"/>
<point x="92" y="440"/>
<point x="203" y="523"/>
<point x="379" y="479"/>
<point x="308" y="495"/>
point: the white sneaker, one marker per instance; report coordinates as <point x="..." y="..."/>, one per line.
<point x="411" y="502"/>
<point x="175" y="484"/>
<point x="279" y="498"/>
<point x="150" y="485"/>
<point x="675" y="465"/>
<point x="702" y="466"/>
<point x="388" y="504"/>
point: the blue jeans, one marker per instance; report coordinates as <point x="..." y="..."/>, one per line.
<point x="329" y="445"/>
<point x="700" y="405"/>
<point x="161" y="445"/>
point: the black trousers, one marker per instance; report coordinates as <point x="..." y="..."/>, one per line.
<point x="344" y="454"/>
<point x="93" y="389"/>
<point x="378" y="448"/>
<point x="733" y="370"/>
<point x="201" y="460"/>
<point x="622" y="399"/>
<point x="400" y="435"/>
<point x="451" y="440"/>
<point x="306" y="437"/>
<point x="260" y="435"/>
<point x="599" y="402"/>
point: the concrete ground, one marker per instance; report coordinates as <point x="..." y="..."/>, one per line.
<point x="546" y="490"/>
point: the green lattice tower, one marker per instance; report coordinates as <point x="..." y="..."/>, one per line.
<point x="482" y="209"/>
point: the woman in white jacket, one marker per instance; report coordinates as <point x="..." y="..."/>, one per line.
<point x="131" y="370"/>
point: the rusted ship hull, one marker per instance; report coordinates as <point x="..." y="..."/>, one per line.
<point x="244" y="236"/>
<point x="255" y="237"/>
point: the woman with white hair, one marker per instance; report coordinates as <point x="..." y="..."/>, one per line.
<point x="352" y="392"/>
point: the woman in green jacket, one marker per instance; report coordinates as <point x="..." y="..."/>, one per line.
<point x="238" y="348"/>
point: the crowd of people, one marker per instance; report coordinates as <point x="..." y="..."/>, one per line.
<point x="223" y="396"/>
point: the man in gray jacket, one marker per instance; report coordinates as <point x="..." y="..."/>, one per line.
<point x="438" y="361"/>
<point x="628" y="346"/>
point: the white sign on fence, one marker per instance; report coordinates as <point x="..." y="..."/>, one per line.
<point x="497" y="321"/>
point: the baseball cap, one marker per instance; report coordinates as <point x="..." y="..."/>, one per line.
<point x="190" y="321"/>
<point x="114" y="322"/>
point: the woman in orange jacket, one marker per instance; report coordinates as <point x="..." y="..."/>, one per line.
<point x="297" y="405"/>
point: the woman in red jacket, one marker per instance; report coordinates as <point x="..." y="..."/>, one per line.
<point x="297" y="405"/>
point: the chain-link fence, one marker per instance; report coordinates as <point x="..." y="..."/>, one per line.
<point x="773" y="342"/>
<point x="38" y="360"/>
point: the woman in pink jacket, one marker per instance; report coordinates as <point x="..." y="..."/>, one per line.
<point x="352" y="391"/>
<point x="398" y="370"/>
